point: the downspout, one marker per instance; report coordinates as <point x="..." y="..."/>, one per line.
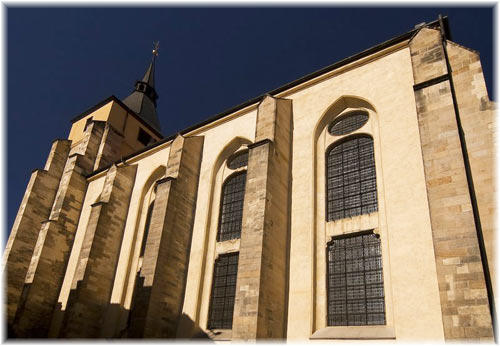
<point x="470" y="183"/>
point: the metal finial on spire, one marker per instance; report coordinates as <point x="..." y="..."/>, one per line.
<point x="155" y="49"/>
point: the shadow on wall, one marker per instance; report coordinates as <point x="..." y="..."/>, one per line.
<point x="187" y="329"/>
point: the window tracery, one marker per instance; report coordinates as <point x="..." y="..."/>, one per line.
<point x="348" y="123"/>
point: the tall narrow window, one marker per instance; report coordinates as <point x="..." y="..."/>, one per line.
<point x="355" y="282"/>
<point x="231" y="215"/>
<point x="146" y="228"/>
<point x="351" y="179"/>
<point x="223" y="292"/>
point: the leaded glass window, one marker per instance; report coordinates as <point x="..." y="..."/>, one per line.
<point x="351" y="179"/>
<point x="223" y="292"/>
<point x="348" y="124"/>
<point x="238" y="161"/>
<point x="231" y="215"/>
<point x="355" y="281"/>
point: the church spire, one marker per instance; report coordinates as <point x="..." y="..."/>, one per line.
<point x="149" y="76"/>
<point x="143" y="99"/>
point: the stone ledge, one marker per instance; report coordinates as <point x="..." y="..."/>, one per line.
<point x="164" y="180"/>
<point x="98" y="204"/>
<point x="354" y="332"/>
<point x="75" y="155"/>
<point x="259" y="143"/>
<point x="61" y="139"/>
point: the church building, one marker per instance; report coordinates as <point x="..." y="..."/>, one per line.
<point x="355" y="203"/>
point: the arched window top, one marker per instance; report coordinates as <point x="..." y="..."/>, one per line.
<point x="348" y="123"/>
<point x="238" y="160"/>
<point x="231" y="212"/>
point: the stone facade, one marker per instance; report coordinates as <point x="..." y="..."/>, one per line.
<point x="115" y="239"/>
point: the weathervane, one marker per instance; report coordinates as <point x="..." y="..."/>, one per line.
<point x="155" y="49"/>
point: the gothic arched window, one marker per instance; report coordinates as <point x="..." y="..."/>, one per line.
<point x="231" y="214"/>
<point x="350" y="178"/>
<point x="146" y="228"/>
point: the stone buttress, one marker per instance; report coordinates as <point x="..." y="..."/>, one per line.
<point x="261" y="286"/>
<point x="159" y="290"/>
<point x="477" y="113"/>
<point x="35" y="208"/>
<point x="93" y="282"/>
<point x="461" y="277"/>
<point x="55" y="237"/>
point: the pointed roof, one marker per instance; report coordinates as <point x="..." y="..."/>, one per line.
<point x="149" y="76"/>
<point x="143" y="99"/>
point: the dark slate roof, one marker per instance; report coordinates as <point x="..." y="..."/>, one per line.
<point x="143" y="99"/>
<point x="141" y="104"/>
<point x="149" y="76"/>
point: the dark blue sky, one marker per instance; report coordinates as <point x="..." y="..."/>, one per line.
<point x="62" y="61"/>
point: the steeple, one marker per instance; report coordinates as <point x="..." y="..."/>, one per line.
<point x="143" y="99"/>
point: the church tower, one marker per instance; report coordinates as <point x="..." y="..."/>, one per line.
<point x="39" y="245"/>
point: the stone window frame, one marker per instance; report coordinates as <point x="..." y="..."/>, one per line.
<point x="326" y="230"/>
